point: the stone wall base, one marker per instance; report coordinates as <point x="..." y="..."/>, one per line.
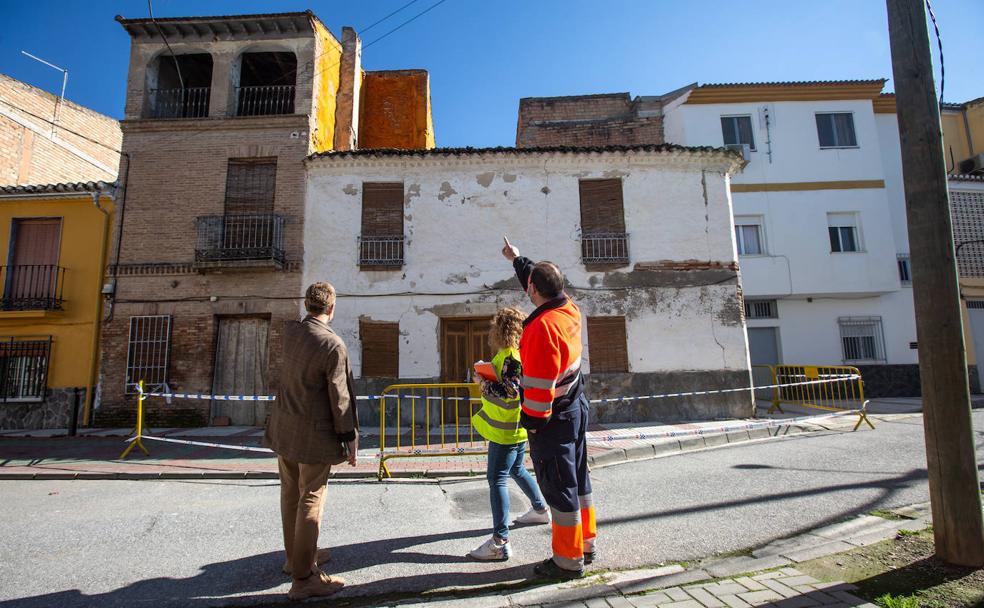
<point x="55" y="412"/>
<point x="881" y="381"/>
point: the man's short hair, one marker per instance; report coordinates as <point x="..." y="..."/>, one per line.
<point x="548" y="279"/>
<point x="318" y="298"/>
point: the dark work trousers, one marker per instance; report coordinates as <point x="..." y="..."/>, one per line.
<point x="560" y="459"/>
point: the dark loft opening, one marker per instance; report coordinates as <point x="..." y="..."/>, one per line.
<point x="266" y="84"/>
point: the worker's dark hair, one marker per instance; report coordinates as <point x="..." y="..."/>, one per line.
<point x="548" y="279"/>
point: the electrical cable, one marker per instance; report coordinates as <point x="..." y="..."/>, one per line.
<point x="939" y="43"/>
<point x="160" y="31"/>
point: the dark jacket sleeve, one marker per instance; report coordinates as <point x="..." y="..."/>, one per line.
<point x="523" y="267"/>
<point x="342" y="400"/>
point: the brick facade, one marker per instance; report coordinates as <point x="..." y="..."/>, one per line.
<point x="589" y="120"/>
<point x="29" y="154"/>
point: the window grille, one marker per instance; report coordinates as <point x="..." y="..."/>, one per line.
<point x="967" y="211"/>
<point x="975" y="304"/>
<point x="836" y="130"/>
<point x="148" y="352"/>
<point x="905" y="271"/>
<point x="737" y="130"/>
<point x="761" y="309"/>
<point x="862" y="339"/>
<point x="24" y="369"/>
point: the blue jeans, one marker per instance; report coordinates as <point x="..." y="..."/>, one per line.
<point x="506" y="461"/>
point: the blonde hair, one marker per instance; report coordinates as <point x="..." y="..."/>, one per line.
<point x="319" y="297"/>
<point x="507" y="327"/>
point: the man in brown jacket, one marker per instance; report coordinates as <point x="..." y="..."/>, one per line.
<point x="312" y="427"/>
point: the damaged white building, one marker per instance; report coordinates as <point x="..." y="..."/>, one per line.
<point x="411" y="241"/>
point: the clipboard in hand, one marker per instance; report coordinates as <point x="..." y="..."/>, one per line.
<point x="485" y="370"/>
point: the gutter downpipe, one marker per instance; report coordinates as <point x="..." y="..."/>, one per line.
<point x="90" y="392"/>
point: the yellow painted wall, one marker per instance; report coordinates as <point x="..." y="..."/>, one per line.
<point x="80" y="250"/>
<point x="975" y="117"/>
<point x="956" y="125"/>
<point x="328" y="68"/>
<point x="395" y="110"/>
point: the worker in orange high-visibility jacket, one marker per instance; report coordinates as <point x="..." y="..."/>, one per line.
<point x="555" y="412"/>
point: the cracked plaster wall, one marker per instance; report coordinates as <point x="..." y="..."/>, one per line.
<point x="456" y="213"/>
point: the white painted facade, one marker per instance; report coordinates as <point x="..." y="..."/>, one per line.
<point x="458" y="206"/>
<point x="813" y="286"/>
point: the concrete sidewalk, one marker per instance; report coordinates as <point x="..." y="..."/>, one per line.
<point x="94" y="453"/>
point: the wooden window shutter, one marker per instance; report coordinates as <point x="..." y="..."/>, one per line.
<point x="607" y="348"/>
<point x="250" y="185"/>
<point x="382" y="209"/>
<point x="601" y="206"/>
<point x="380" y="349"/>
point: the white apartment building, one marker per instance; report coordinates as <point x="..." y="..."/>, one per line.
<point x="411" y="240"/>
<point x="819" y="218"/>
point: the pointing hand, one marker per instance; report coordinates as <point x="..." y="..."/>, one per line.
<point x="508" y="251"/>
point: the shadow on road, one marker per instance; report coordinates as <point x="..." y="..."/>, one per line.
<point x="246" y="577"/>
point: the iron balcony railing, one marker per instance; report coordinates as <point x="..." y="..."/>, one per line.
<point x="180" y="103"/>
<point x="605" y="248"/>
<point x="33" y="287"/>
<point x="244" y="237"/>
<point x="264" y="101"/>
<point x="381" y="250"/>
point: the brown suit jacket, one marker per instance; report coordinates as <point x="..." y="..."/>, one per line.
<point x="315" y="408"/>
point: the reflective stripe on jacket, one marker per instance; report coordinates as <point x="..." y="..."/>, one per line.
<point x="551" y="353"/>
<point x="498" y="420"/>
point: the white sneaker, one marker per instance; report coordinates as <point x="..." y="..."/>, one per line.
<point x="491" y="550"/>
<point x="533" y="518"/>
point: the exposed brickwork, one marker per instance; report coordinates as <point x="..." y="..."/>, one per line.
<point x="395" y="110"/>
<point x="29" y="157"/>
<point x="588" y="120"/>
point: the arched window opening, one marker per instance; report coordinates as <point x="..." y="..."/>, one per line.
<point x="266" y="84"/>
<point x="181" y="85"/>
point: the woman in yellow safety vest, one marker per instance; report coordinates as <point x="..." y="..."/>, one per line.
<point x="498" y="422"/>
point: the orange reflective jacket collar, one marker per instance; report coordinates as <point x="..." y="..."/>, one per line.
<point x="557" y="302"/>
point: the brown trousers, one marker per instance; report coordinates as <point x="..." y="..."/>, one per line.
<point x="302" y="500"/>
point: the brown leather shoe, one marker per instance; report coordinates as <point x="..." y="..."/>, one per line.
<point x="318" y="584"/>
<point x="323" y="556"/>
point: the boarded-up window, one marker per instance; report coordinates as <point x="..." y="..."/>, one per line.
<point x="603" y="238"/>
<point x="381" y="241"/>
<point x="380" y="349"/>
<point x="607" y="350"/>
<point x="601" y="206"/>
<point x="382" y="209"/>
<point x="250" y="185"/>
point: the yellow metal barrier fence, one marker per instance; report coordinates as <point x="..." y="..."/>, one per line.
<point x="432" y="409"/>
<point x="833" y="388"/>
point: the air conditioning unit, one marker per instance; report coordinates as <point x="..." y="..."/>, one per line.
<point x="973" y="165"/>
<point x="744" y="149"/>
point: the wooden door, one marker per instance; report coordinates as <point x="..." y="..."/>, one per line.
<point x="463" y="342"/>
<point x="32" y="273"/>
<point x="241" y="369"/>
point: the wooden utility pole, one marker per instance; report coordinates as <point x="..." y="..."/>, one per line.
<point x="953" y="482"/>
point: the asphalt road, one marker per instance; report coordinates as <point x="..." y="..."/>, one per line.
<point x="170" y="543"/>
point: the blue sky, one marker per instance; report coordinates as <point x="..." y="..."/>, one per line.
<point x="484" y="55"/>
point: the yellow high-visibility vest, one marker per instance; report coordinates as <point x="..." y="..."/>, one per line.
<point x="498" y="420"/>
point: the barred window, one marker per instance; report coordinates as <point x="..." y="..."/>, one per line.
<point x="148" y="352"/>
<point x="24" y="369"/>
<point x="761" y="309"/>
<point x="905" y="270"/>
<point x="862" y="339"/>
<point x="381" y="242"/>
<point x="607" y="348"/>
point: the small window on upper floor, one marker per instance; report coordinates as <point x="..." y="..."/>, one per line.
<point x="836" y="130"/>
<point x="381" y="240"/>
<point x="749" y="236"/>
<point x="737" y="132"/>
<point x="604" y="241"/>
<point x="843" y="231"/>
